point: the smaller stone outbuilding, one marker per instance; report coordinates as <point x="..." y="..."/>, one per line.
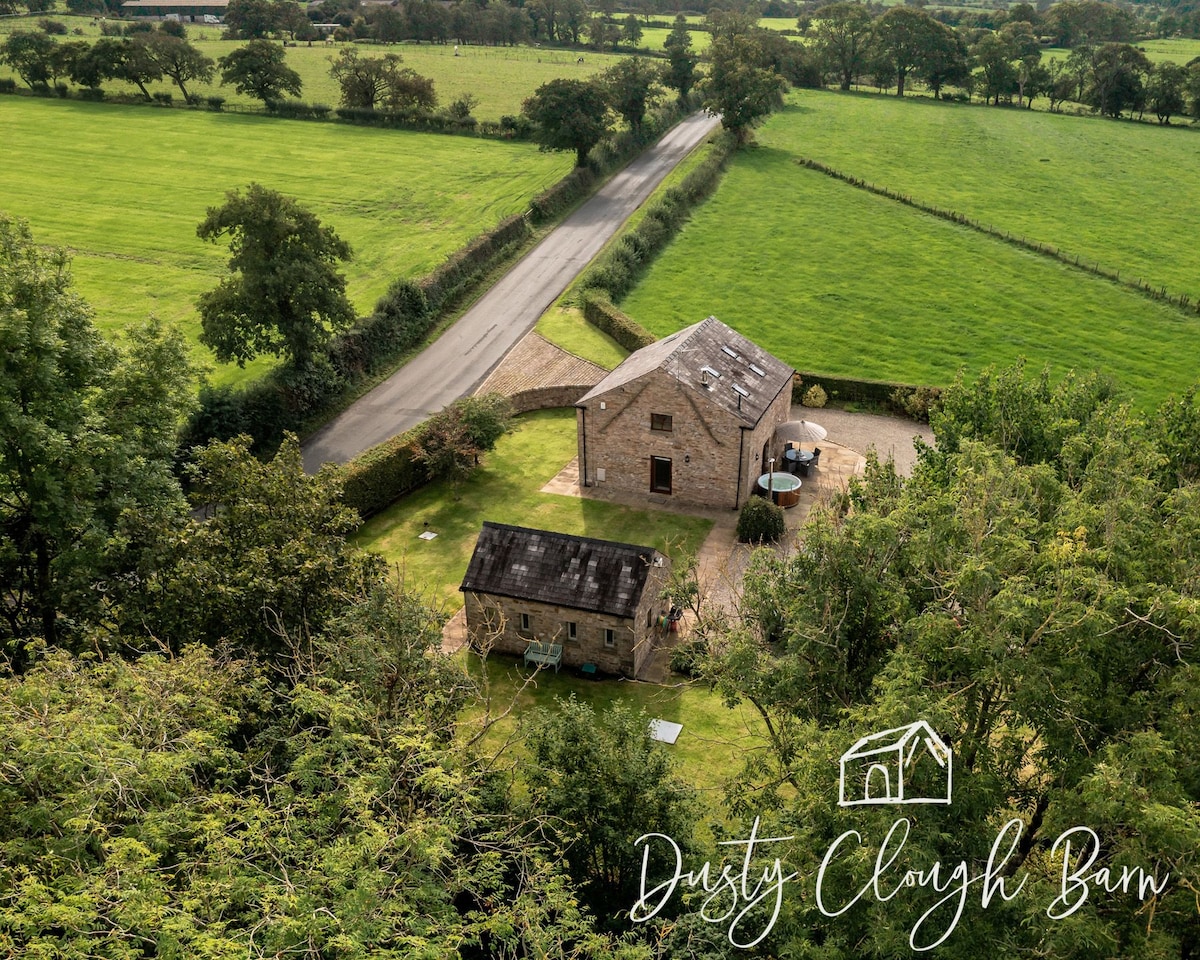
<point x="601" y="600"/>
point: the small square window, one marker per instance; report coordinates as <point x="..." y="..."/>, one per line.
<point x="660" y="421"/>
<point x="525" y="623"/>
<point x="610" y="637"/>
<point x="572" y="630"/>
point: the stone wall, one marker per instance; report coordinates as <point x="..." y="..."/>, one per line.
<point x="709" y="449"/>
<point x="548" y="398"/>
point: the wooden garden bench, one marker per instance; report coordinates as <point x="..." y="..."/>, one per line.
<point x="543" y="654"/>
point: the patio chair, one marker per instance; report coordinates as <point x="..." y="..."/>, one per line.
<point x="816" y="457"/>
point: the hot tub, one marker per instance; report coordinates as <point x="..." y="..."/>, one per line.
<point x="784" y="488"/>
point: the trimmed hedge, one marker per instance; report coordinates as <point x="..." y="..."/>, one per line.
<point x="760" y="521"/>
<point x="374" y="480"/>
<point x="902" y="398"/>
<point x="601" y="314"/>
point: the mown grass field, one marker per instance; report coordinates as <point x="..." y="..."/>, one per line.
<point x="124" y="188"/>
<point x="1109" y="191"/>
<point x="505" y="489"/>
<point x="835" y="280"/>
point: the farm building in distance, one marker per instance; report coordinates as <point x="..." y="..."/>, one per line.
<point x="691" y="417"/>
<point x="193" y="10"/>
<point x="602" y="601"/>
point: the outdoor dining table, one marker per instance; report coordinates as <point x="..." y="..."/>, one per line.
<point x="794" y="460"/>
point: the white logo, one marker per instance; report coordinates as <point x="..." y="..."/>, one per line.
<point x="909" y="764"/>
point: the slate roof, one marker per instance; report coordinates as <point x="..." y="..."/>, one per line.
<point x="714" y="360"/>
<point x="599" y="576"/>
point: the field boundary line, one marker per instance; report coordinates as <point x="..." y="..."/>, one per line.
<point x="1159" y="293"/>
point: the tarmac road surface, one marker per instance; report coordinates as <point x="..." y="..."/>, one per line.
<point x="455" y="364"/>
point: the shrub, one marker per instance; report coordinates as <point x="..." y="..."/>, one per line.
<point x="8" y="85"/>
<point x="215" y="103"/>
<point x="688" y="657"/>
<point x="164" y="98"/>
<point x="62" y="90"/>
<point x="53" y="27"/>
<point x="917" y="402"/>
<point x="602" y="315"/>
<point x="194" y="100"/>
<point x="91" y="93"/>
<point x="815" y="396"/>
<point x="376" y="478"/>
<point x="760" y="521"/>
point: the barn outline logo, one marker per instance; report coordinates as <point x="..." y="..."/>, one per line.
<point x="909" y="764"/>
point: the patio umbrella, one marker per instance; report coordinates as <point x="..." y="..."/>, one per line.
<point x="800" y="431"/>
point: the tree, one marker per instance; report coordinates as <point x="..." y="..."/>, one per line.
<point x="947" y="61"/>
<point x="631" y="31"/>
<point x="364" y="81"/>
<point x="251" y="19"/>
<point x="87" y="443"/>
<point x="843" y="32"/>
<point x="258" y="69"/>
<point x="179" y="60"/>
<point x="1165" y="89"/>
<point x="1023" y="48"/>
<point x="1029" y="603"/>
<point x="737" y="87"/>
<point x="631" y="84"/>
<point x="29" y="53"/>
<point x="285" y="293"/>
<point x="902" y="39"/>
<point x="991" y="55"/>
<point x="568" y="115"/>
<point x="605" y="782"/>
<point x="1117" y="79"/>
<point x="680" y="74"/>
<point x="449" y="443"/>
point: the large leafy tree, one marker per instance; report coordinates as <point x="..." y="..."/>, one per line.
<point x="631" y="85"/>
<point x="371" y="82"/>
<point x="568" y="115"/>
<point x="179" y="60"/>
<point x="680" y="74"/>
<point x="1165" y="91"/>
<point x="260" y="70"/>
<point x="29" y="53"/>
<point x="739" y="86"/>
<point x="1031" y="593"/>
<point x="603" y="782"/>
<point x="843" y="32"/>
<point x="901" y="41"/>
<point x="285" y="293"/>
<point x="86" y="448"/>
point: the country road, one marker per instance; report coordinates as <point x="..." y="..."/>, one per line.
<point x="463" y="356"/>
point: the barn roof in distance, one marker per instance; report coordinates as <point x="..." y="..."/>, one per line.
<point x="599" y="576"/>
<point x="713" y="359"/>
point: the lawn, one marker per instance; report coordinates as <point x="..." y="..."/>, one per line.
<point x="505" y="489"/>
<point x="835" y="280"/>
<point x="1109" y="191"/>
<point x="710" y="749"/>
<point x="123" y="188"/>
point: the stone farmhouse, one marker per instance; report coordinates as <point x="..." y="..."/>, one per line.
<point x="600" y="600"/>
<point x="688" y="419"/>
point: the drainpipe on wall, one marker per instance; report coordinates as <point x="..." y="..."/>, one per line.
<point x="741" y="466"/>
<point x="583" y="476"/>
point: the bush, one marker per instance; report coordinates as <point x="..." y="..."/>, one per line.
<point x="602" y="315"/>
<point x="917" y="402"/>
<point x="62" y="90"/>
<point x="815" y="396"/>
<point x="164" y="98"/>
<point x="52" y="27"/>
<point x="91" y="93"/>
<point x="688" y="657"/>
<point x="8" y="85"/>
<point x="760" y="521"/>
<point x="215" y="103"/>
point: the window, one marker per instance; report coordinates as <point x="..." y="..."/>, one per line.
<point x="660" y="475"/>
<point x="525" y="623"/>
<point x="660" y="421"/>
<point x="572" y="630"/>
<point x="610" y="637"/>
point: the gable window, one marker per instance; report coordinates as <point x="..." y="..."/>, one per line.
<point x="572" y="630"/>
<point x="525" y="623"/>
<point x="660" y="474"/>
<point x="610" y="637"/>
<point x="661" y="421"/>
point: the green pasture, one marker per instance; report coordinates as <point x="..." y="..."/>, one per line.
<point x="1176" y="50"/>
<point x="836" y="280"/>
<point x="655" y="39"/>
<point x="500" y="78"/>
<point x="505" y="488"/>
<point x="1108" y="191"/>
<point x="123" y="188"/>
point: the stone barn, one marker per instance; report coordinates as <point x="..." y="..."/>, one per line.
<point x="600" y="600"/>
<point x="688" y="419"/>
